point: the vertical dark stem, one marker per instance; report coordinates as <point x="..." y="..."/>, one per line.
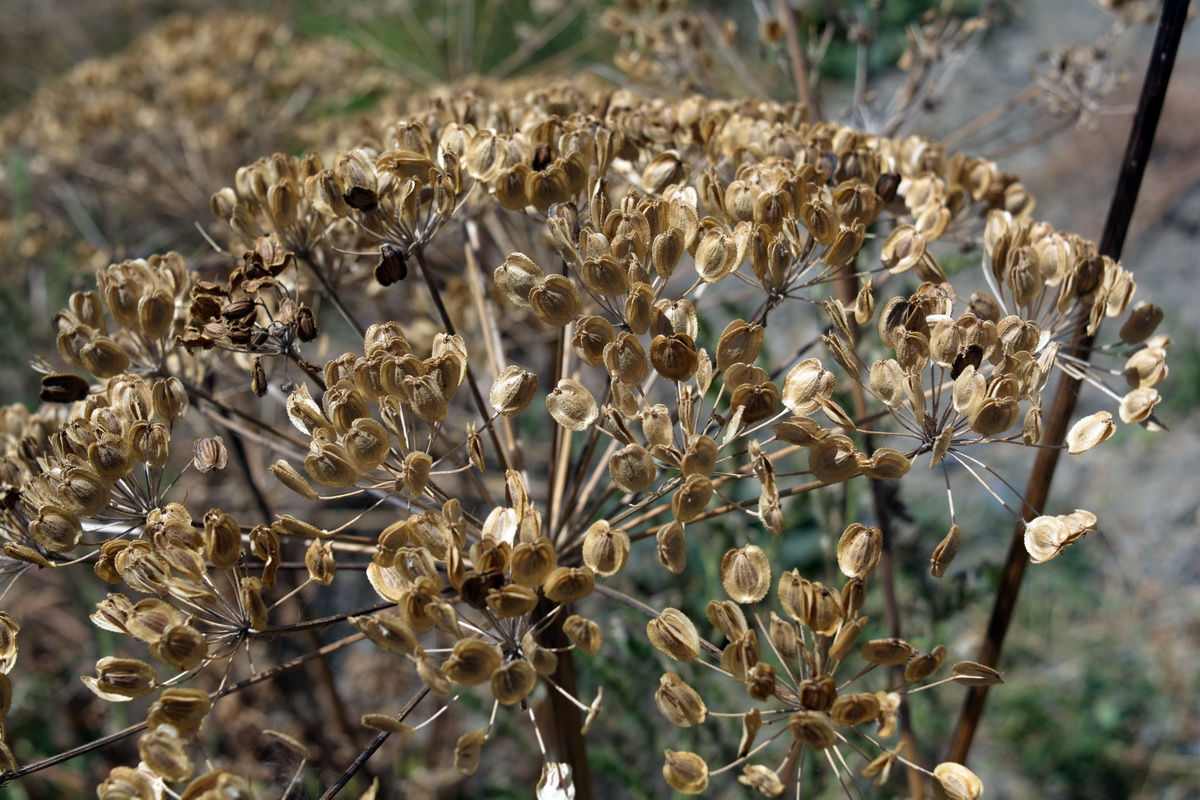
<point x="565" y="721"/>
<point x="1137" y="153"/>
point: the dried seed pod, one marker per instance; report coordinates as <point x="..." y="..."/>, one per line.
<point x="672" y="549"/>
<point x="209" y="454"/>
<point x="674" y="635"/>
<point x="944" y="553"/>
<point x="184" y="709"/>
<point x="430" y="672"/>
<point x="148" y="619"/>
<point x="181" y="646"/>
<point x="632" y="469"/>
<point x="760" y="681"/>
<point x="9" y="628"/>
<point x="1138" y="404"/>
<point x="103" y="357"/>
<point x="1143" y="320"/>
<point x="813" y="728"/>
<point x="250" y="592"/>
<point x="572" y="406"/>
<point x="584" y="633"/>
<point x="328" y="465"/>
<point x="1090" y="431"/>
<point x="686" y="773"/>
<point x="888" y="652"/>
<point x="970" y="673"/>
<point x="817" y="694"/>
<point x="56" y="529"/>
<point x="823" y="610"/>
<point x="543" y="660"/>
<point x="740" y="343"/>
<point x="568" y="584"/>
<point x="163" y="751"/>
<point x="805" y="384"/>
<point x="605" y="275"/>
<point x="626" y="361"/>
<point x="843" y="643"/>
<point x="832" y="459"/>
<point x="605" y="549"/>
<point x="289" y="477"/>
<point x="763" y="779"/>
<point x="124" y="783"/>
<point x="1146" y="368"/>
<point x="855" y="709"/>
<point x="513" y="391"/>
<point x="666" y="250"/>
<point x="674" y="357"/>
<point x="756" y="402"/>
<point x="691" y="498"/>
<point x="511" y="601"/>
<point x="746" y="574"/>
<point x="517" y="277"/>
<point x="678" y="702"/>
<point x="531" y="562"/>
<point x="592" y="335"/>
<point x="415" y="475"/>
<point x="111" y="457"/>
<point x="663" y="170"/>
<point x="925" y="665"/>
<point x="63" y="387"/>
<point x="513" y="681"/>
<point x="83" y="492"/>
<point x="120" y="679"/>
<point x="386" y="723"/>
<point x="387" y="632"/>
<point x="727" y="617"/>
<point x="472" y="662"/>
<point x="784" y="637"/>
<point x="994" y="416"/>
<point x="970" y="390"/>
<point x="740" y="656"/>
<point x="366" y="444"/>
<point x="853" y="596"/>
<point x="701" y="456"/>
<point x="320" y="562"/>
<point x="955" y="782"/>
<point x="903" y="248"/>
<point x="467" y="751"/>
<point x="222" y="539"/>
<point x="555" y="300"/>
<point x="858" y="550"/>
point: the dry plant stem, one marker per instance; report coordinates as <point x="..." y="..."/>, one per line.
<point x="332" y="293"/>
<point x="563" y="716"/>
<point x="1116" y="226"/>
<point x="375" y="744"/>
<point x="988" y="117"/>
<point x="796" y="56"/>
<point x="427" y="274"/>
<point x="67" y="755"/>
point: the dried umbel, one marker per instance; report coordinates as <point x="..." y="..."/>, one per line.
<point x="488" y="522"/>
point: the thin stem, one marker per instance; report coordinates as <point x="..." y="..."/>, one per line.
<point x="124" y="733"/>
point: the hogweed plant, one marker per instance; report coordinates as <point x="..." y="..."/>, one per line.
<point x="450" y="386"/>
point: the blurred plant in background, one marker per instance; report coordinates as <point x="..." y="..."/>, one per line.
<point x="476" y="407"/>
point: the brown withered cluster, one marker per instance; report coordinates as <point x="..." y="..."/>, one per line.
<point x="471" y="370"/>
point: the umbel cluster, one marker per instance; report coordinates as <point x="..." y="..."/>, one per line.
<point x="508" y="342"/>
